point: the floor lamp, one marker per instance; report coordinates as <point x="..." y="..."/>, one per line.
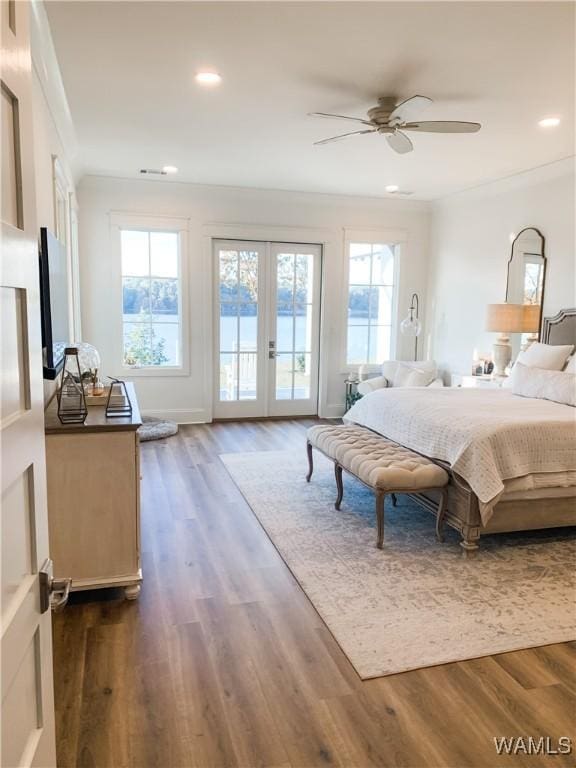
<point x="411" y="325"/>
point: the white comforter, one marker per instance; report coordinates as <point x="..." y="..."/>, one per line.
<point x="487" y="436"/>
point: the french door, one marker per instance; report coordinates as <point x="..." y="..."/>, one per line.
<point x="268" y="328"/>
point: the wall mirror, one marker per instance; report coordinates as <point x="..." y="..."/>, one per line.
<point x="526" y="280"/>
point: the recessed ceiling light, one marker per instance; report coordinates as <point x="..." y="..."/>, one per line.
<point x="549" y="122"/>
<point x="169" y="169"/>
<point x="208" y="78"/>
<point x="392" y="188"/>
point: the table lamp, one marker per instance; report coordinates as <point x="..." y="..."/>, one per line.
<point x="531" y="323"/>
<point x="504" y="319"/>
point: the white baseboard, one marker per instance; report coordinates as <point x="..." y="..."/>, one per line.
<point x="194" y="416"/>
<point x="332" y="411"/>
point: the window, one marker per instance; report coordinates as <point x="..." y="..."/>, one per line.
<point x="370" y="302"/>
<point x="151" y="298"/>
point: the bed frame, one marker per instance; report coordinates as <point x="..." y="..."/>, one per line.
<point x="463" y="513"/>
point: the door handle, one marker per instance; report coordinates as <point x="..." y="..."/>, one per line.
<point x="54" y="593"/>
<point x="271" y="354"/>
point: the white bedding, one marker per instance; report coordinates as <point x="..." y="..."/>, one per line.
<point x="487" y="436"/>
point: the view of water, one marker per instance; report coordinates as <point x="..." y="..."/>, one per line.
<point x="164" y="328"/>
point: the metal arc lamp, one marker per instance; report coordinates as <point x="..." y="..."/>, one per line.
<point x="411" y="325"/>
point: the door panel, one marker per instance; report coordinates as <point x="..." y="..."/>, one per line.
<point x="295" y="308"/>
<point x="27" y="710"/>
<point x="267" y="314"/>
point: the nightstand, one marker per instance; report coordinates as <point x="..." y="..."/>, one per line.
<point x="478" y="382"/>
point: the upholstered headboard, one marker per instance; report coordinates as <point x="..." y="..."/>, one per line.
<point x="560" y="329"/>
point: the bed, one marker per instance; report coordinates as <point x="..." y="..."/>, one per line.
<point x="511" y="460"/>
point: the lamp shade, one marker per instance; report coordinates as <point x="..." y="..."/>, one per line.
<point x="505" y="318"/>
<point x="531" y="318"/>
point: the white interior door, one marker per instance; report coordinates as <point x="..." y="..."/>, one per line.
<point x="294" y="329"/>
<point x="27" y="719"/>
<point x="267" y="315"/>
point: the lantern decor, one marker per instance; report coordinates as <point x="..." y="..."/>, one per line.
<point x="72" y="407"/>
<point x="118" y="403"/>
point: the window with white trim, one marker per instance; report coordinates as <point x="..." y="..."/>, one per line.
<point x="371" y="296"/>
<point x="151" y="298"/>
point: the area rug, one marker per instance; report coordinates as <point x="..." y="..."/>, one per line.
<point x="416" y="603"/>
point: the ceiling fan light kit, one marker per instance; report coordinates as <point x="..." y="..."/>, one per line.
<point x="392" y="120"/>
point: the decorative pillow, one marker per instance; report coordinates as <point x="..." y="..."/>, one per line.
<point x="571" y="365"/>
<point x="558" y="386"/>
<point x="548" y="356"/>
<point x="409" y="376"/>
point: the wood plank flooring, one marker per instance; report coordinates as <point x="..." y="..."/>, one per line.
<point x="223" y="661"/>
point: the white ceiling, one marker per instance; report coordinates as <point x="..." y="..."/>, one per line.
<point x="128" y="72"/>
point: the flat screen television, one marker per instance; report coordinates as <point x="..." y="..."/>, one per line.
<point x="53" y="302"/>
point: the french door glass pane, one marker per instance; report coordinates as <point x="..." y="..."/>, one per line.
<point x="284" y="376"/>
<point x="302" y="370"/>
<point x="248" y="328"/>
<point x="228" y="377"/>
<point x="247" y="372"/>
<point x="238" y="271"/>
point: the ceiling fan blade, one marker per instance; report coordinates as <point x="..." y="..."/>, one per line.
<point x="339" y="117"/>
<point x="443" y="126"/>
<point x="399" y="142"/>
<point x="407" y="110"/>
<point x="342" y="136"/>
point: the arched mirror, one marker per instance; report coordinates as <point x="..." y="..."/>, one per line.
<point x="526" y="280"/>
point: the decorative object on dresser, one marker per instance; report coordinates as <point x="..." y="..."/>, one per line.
<point x="72" y="407"/>
<point x="411" y="325"/>
<point x="118" y="402"/>
<point x="93" y="480"/>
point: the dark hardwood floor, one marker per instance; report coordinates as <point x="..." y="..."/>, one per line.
<point x="224" y="662"/>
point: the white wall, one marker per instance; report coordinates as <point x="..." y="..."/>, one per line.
<point x="470" y="248"/>
<point x="268" y="214"/>
<point x="53" y="132"/>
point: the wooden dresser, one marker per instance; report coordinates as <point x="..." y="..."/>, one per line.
<point x="93" y="475"/>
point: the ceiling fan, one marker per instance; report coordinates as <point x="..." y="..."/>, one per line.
<point x="393" y="119"/>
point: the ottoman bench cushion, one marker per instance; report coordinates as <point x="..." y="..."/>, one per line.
<point x="374" y="459"/>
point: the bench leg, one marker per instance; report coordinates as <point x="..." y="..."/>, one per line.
<point x="441" y="514"/>
<point x="339" y="484"/>
<point x="310" y="460"/>
<point x="380" y="498"/>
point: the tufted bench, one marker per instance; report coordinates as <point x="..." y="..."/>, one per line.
<point x="382" y="465"/>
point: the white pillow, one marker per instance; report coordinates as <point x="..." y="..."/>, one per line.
<point x="549" y="356"/>
<point x="558" y="386"/>
<point x="571" y="365"/>
<point x="409" y="376"/>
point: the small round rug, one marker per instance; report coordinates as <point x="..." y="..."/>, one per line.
<point x="156" y="429"/>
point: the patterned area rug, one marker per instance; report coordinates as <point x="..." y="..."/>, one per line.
<point x="417" y="603"/>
